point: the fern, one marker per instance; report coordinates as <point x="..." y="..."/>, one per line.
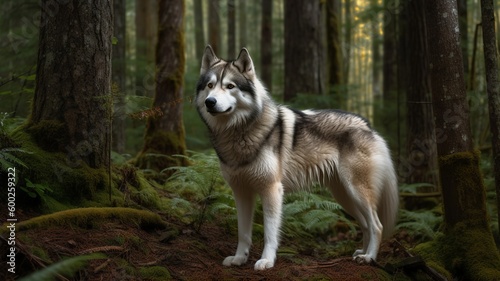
<point x="421" y="224"/>
<point x="204" y="194"/>
<point x="35" y="190"/>
<point x="66" y="267"/>
<point x="7" y="159"/>
<point x="312" y="213"/>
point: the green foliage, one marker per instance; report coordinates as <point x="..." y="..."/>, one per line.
<point x="35" y="190"/>
<point x="201" y="190"/>
<point x="7" y="159"/>
<point x="312" y="213"/>
<point x="66" y="267"/>
<point x="421" y="224"/>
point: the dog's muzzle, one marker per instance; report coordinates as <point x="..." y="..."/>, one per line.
<point x="211" y="104"/>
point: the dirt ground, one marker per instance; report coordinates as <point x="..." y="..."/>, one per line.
<point x="180" y="254"/>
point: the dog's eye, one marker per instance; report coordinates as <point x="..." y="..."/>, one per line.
<point x="230" y="86"/>
<point x="210" y="85"/>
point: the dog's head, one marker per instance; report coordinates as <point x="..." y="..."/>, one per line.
<point x="228" y="91"/>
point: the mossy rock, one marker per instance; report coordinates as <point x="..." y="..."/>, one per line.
<point x="93" y="217"/>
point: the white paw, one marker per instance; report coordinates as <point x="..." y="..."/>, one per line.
<point x="263" y="264"/>
<point x="363" y="259"/>
<point x="234" y="260"/>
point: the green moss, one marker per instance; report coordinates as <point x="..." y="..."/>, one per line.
<point x="50" y="135"/>
<point x="467" y="252"/>
<point x="154" y="273"/>
<point x="69" y="185"/>
<point x="159" y="150"/>
<point x="466" y="249"/>
<point x="91" y="217"/>
<point x="463" y="188"/>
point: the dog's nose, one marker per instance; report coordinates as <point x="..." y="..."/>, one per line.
<point x="210" y="102"/>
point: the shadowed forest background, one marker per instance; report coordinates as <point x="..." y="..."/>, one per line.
<point x="115" y="177"/>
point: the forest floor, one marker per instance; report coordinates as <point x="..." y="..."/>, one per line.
<point x="181" y="253"/>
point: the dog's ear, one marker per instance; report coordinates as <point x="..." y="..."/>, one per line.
<point x="244" y="62"/>
<point x="209" y="58"/>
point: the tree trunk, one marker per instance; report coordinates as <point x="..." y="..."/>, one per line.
<point x="145" y="33"/>
<point x="266" y="44"/>
<point x="165" y="130"/>
<point x="421" y="143"/>
<point x="387" y="107"/>
<point x="242" y="22"/>
<point x="199" y="29"/>
<point x="376" y="56"/>
<point x="231" y="30"/>
<point x="303" y="46"/>
<point x="467" y="248"/>
<point x="335" y="77"/>
<point x="492" y="86"/>
<point x="119" y="76"/>
<point x="462" y="21"/>
<point x="347" y="40"/>
<point x="214" y="25"/>
<point x="72" y="102"/>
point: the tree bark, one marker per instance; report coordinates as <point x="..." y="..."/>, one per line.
<point x="199" y="28"/>
<point x="335" y="75"/>
<point x="146" y="28"/>
<point x="387" y="107"/>
<point x="462" y="21"/>
<point x="214" y="25"/>
<point x="231" y="29"/>
<point x="242" y="23"/>
<point x="421" y="142"/>
<point x="467" y="248"/>
<point x="347" y="40"/>
<point x="72" y="102"/>
<point x="165" y="130"/>
<point x="492" y="86"/>
<point x="303" y="46"/>
<point x="266" y="44"/>
<point x="376" y="56"/>
<point x="119" y="74"/>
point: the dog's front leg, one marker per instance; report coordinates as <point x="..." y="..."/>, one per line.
<point x="272" y="200"/>
<point x="245" y="201"/>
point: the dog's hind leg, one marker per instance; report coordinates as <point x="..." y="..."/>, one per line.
<point x="245" y="202"/>
<point x="272" y="200"/>
<point x="359" y="201"/>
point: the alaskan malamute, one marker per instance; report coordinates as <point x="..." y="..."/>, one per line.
<point x="265" y="148"/>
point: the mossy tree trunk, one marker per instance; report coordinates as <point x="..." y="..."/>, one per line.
<point x="493" y="86"/>
<point x="467" y="248"/>
<point x="146" y="26"/>
<point x="71" y="105"/>
<point x="119" y="74"/>
<point x="165" y="130"/>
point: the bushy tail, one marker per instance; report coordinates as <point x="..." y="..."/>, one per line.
<point x="389" y="202"/>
